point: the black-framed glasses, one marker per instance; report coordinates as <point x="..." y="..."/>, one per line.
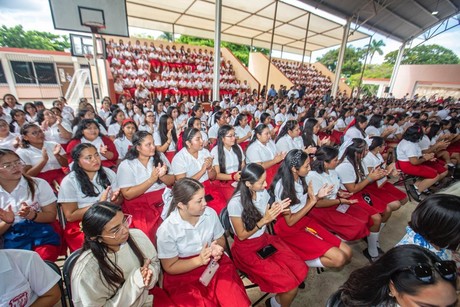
<point x="424" y="272"/>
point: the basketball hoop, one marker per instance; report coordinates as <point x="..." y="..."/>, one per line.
<point x="94" y="26"/>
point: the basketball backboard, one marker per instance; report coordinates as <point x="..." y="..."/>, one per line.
<point x="73" y="15"/>
<point x="82" y="45"/>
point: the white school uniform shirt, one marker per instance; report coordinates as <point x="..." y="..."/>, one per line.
<point x="280" y="118"/>
<point x="44" y="196"/>
<point x="235" y="209"/>
<point x="212" y="132"/>
<point x="133" y="172"/>
<point x="371" y="160"/>
<point x="178" y="238"/>
<point x="258" y="152"/>
<point x="52" y="133"/>
<point x="184" y="163"/>
<point x="231" y="159"/>
<point x="241" y="132"/>
<point x="6" y="117"/>
<point x="347" y="173"/>
<point x="340" y="124"/>
<point x="352" y="133"/>
<point x="104" y="114"/>
<point x="406" y="150"/>
<point x="301" y="196"/>
<point x="32" y="156"/>
<point x="122" y="144"/>
<point x="157" y="141"/>
<point x="372" y="131"/>
<point x="97" y="142"/>
<point x="70" y="191"/>
<point x="147" y="128"/>
<point x="25" y="277"/>
<point x="424" y="143"/>
<point x="318" y="180"/>
<point x="7" y="143"/>
<point x="287" y="143"/>
<point x="114" y="129"/>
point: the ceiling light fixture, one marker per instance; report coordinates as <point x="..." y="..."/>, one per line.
<point x="435" y="12"/>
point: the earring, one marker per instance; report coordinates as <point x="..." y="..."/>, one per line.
<point x="390" y="294"/>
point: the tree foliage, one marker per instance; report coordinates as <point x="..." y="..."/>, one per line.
<point x="352" y="63"/>
<point x="166" y="36"/>
<point x="424" y="54"/>
<point x="375" y="47"/>
<point x="17" y="37"/>
<point x="372" y="71"/>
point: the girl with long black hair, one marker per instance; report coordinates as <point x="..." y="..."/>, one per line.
<point x="228" y="161"/>
<point x="243" y="130"/>
<point x="118" y="266"/>
<point x="123" y="141"/>
<point x="310" y="132"/>
<point x="306" y="237"/>
<point x="356" y="129"/>
<point x="142" y="178"/>
<point x="87" y="183"/>
<point x="289" y="138"/>
<point x="166" y="137"/>
<point x="250" y="212"/>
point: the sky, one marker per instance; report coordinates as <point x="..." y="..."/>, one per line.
<point x="36" y="15"/>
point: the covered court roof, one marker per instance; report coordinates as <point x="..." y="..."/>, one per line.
<point x="246" y="22"/>
<point x="400" y="20"/>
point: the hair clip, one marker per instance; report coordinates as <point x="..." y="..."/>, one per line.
<point x="296" y="159"/>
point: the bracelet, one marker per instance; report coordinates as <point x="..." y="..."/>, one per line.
<point x="340" y="201"/>
<point x="369" y="179"/>
<point x="35" y="216"/>
<point x="233" y="175"/>
<point x="258" y="226"/>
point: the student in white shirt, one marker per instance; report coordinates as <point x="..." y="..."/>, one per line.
<point x="149" y="123"/>
<point x="280" y="118"/>
<point x="357" y="130"/>
<point x="118" y="116"/>
<point x="220" y="119"/>
<point x="124" y="138"/>
<point x="56" y="129"/>
<point x="117" y="266"/>
<point x="191" y="238"/>
<point x="19" y="120"/>
<point x="8" y="140"/>
<point x="26" y="280"/>
<point x="166" y="137"/>
<point x="243" y="131"/>
<point x="289" y="138"/>
<point x="27" y="210"/>
<point x="87" y="183"/>
<point x="105" y="112"/>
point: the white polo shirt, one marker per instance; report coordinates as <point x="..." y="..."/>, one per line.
<point x="52" y="133"/>
<point x="241" y="132"/>
<point x="235" y="209"/>
<point x="122" y="144"/>
<point x="406" y="150"/>
<point x="424" y="143"/>
<point x="287" y="143"/>
<point x="372" y="131"/>
<point x="352" y="133"/>
<point x="32" y="156"/>
<point x="24" y="277"/>
<point x="97" y="142"/>
<point x="258" y="152"/>
<point x="44" y="196"/>
<point x="318" y="180"/>
<point x="7" y="143"/>
<point x="132" y="172"/>
<point x="299" y="193"/>
<point x="371" y="160"/>
<point x="212" y="132"/>
<point x="184" y="163"/>
<point x="231" y="159"/>
<point x="178" y="238"/>
<point x="114" y="129"/>
<point x="70" y="191"/>
<point x="157" y="141"/>
<point x="347" y="173"/>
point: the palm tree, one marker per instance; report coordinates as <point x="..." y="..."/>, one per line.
<point x="375" y="47"/>
<point x="166" y="36"/>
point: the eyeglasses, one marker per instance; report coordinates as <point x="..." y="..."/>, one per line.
<point x="116" y="233"/>
<point x="230" y="136"/>
<point x="36" y="132"/>
<point x="11" y="165"/>
<point x="424" y="272"/>
<point x="91" y="157"/>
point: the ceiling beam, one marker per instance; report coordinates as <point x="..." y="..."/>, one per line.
<point x="424" y="9"/>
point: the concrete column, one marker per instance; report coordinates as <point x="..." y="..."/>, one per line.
<point x="396" y="67"/>
<point x="217" y="29"/>
<point x="338" y="69"/>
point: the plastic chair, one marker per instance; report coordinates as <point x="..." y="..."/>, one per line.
<point x="67" y="273"/>
<point x="56" y="269"/>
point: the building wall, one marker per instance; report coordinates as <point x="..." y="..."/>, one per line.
<point x="410" y="75"/>
<point x="258" y="66"/>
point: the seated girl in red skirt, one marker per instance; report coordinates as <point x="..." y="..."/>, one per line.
<point x="142" y="178"/>
<point x="43" y="159"/>
<point x="394" y="197"/>
<point x="262" y="150"/>
<point x="280" y="272"/>
<point x="355" y="178"/>
<point x="195" y="162"/>
<point x="242" y="130"/>
<point x="411" y="161"/>
<point x="27" y="210"/>
<point x="87" y="183"/>
<point x="337" y="212"/>
<point x="228" y="161"/>
<point x="304" y="235"/>
<point x="165" y="137"/>
<point x="191" y="238"/>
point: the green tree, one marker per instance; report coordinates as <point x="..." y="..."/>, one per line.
<point x="375" y="47"/>
<point x="424" y="54"/>
<point x="17" y="37"/>
<point x="352" y="63"/>
<point x="372" y="71"/>
<point x="166" y="36"/>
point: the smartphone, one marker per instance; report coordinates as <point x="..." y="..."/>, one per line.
<point x="266" y="251"/>
<point x="208" y="198"/>
<point x="209" y="273"/>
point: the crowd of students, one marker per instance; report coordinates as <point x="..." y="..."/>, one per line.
<point x="316" y="171"/>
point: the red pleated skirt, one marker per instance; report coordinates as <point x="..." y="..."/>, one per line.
<point x="351" y="225"/>
<point x="377" y="206"/>
<point x="146" y="211"/>
<point x="73" y="235"/>
<point x="225" y="187"/>
<point x="271" y="172"/>
<point x="52" y="175"/>
<point x="218" y="202"/>
<point x="225" y="288"/>
<point x="304" y="243"/>
<point x="428" y="169"/>
<point x="244" y="145"/>
<point x="170" y="155"/>
<point x="386" y="193"/>
<point x="161" y="298"/>
<point x="50" y="252"/>
<point x="279" y="273"/>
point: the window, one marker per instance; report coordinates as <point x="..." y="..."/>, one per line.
<point x="23" y="72"/>
<point x="2" y="74"/>
<point x="45" y="73"/>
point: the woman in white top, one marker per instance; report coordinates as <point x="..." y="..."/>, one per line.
<point x="310" y="132"/>
<point x="190" y="238"/>
<point x="357" y="130"/>
<point x="8" y="140"/>
<point x="10" y="103"/>
<point x="266" y="119"/>
<point x="139" y="116"/>
<point x="142" y="178"/>
<point x="374" y="127"/>
<point x="55" y="128"/>
<point x="27" y="210"/>
<point x="31" y="112"/>
<point x="243" y="131"/>
<point x="123" y="142"/>
<point x="18" y="120"/>
<point x="166" y="137"/>
<point x="118" y="116"/>
<point x="289" y="138"/>
<point x="280" y="272"/>
<point x="262" y="150"/>
<point x="228" y="161"/>
<point x="149" y="123"/>
<point x="105" y="112"/>
<point x="43" y="159"/>
<point x="117" y="266"/>
<point x="87" y="183"/>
